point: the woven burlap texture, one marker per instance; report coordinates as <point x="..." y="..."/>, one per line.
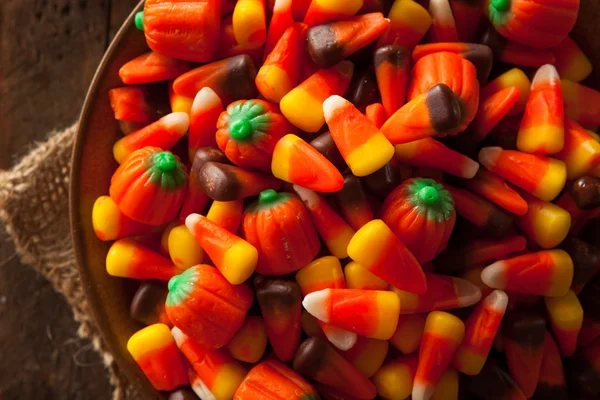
<point x="34" y="207"/>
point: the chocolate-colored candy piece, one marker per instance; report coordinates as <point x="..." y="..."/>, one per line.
<point x="482" y="58"/>
<point x="526" y="328"/>
<point x="590" y="231"/>
<point x="148" y="303"/>
<point x="493" y="383"/>
<point x="585" y="191"/>
<point x="310" y="357"/>
<point x="586" y="260"/>
<point x="393" y="54"/>
<point x="492" y="39"/>
<point x="325" y="145"/>
<point x="237" y="83"/>
<point x="183" y="394"/>
<point x="590" y="298"/>
<point x="364" y="90"/>
<point x="204" y="155"/>
<point x="381" y="182"/>
<point x="544" y="391"/>
<point x="323" y="46"/>
<point x="582" y="374"/>
<point x="444" y="110"/>
<point x="273" y="292"/>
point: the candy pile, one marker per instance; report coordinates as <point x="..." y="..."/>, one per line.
<point x="324" y="202"/>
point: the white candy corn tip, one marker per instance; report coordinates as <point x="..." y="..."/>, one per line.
<point x="441" y="11"/>
<point x="315" y="302"/>
<point x="192" y="220"/>
<point x="466" y="292"/>
<point x="341" y="338"/>
<point x="281" y="5"/>
<point x="178" y="335"/>
<point x="308" y="197"/>
<point x="495" y="275"/>
<point x="331" y="104"/>
<point x="422" y="391"/>
<point x="497" y="301"/>
<point x="199" y="387"/>
<point x="489" y="155"/>
<point x="177" y="122"/>
<point x="470" y="169"/>
<point x="546" y="73"/>
<point x="205" y="99"/>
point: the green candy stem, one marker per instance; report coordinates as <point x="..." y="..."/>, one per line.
<point x="165" y="170"/>
<point x="500" y="5"/>
<point x="139" y="20"/>
<point x="248" y="121"/>
<point x="165" y="161"/>
<point x="429" y="195"/>
<point x="174" y="283"/>
<point x="268" y="196"/>
<point x="240" y="129"/>
<point x="430" y="199"/>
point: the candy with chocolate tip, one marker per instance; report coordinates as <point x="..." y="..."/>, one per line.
<point x="323" y="11"/>
<point x="141" y="104"/>
<point x="590" y="298"/>
<point x="571" y="62"/>
<point x="409" y="332"/>
<point x="303" y="105"/>
<point x="281" y="20"/>
<point x="280" y="228"/>
<point x="250" y="23"/>
<point x="206" y="307"/>
<point x="377" y="248"/>
<point x="495" y="384"/>
<point x="580" y="103"/>
<point x="586" y="261"/>
<point x="513" y="77"/>
<point x="409" y="21"/>
<point x="364" y="89"/>
<point x="443" y="26"/>
<point x="248" y="131"/>
<point x="223" y="182"/>
<point x="367" y="355"/>
<point x="353" y="203"/>
<point x="317" y="360"/>
<point x="325" y="145"/>
<point x="272" y="380"/>
<point x="187" y="32"/>
<point x="195" y="200"/>
<point x="110" y="223"/>
<point x="392" y="65"/>
<point x="331" y="43"/>
<point x="376" y="114"/>
<point x="581" y="151"/>
<point x="148" y="303"/>
<point x="371" y="313"/>
<point x="128" y="259"/>
<point x="383" y="181"/>
<point x="394" y="380"/>
<point x="467" y="15"/>
<point x="481" y="212"/>
<point x="492" y="109"/>
<point x="480" y="330"/>
<point x="364" y="148"/>
<point x="434" y="112"/>
<point x="524" y="334"/>
<point x="566" y="316"/>
<point x="441" y="338"/>
<point x="545" y="223"/>
<point x="541" y="176"/>
<point x="583" y="372"/>
<point x="280" y="72"/>
<point x="204" y="114"/>
<point x="184" y="251"/>
<point x="227" y="214"/>
<point x="443" y="293"/>
<point x="551" y="270"/>
<point x="217" y="371"/>
<point x="155" y="352"/>
<point x="495" y="189"/>
<point x="552" y="384"/>
<point x="231" y="79"/>
<point x="152" y="67"/>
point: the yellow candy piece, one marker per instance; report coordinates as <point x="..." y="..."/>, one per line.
<point x="367" y="355"/>
<point x="409" y="301"/>
<point x="445" y="325"/>
<point x="553" y="182"/>
<point x="581" y="152"/>
<point x="514" y="77"/>
<point x="571" y="62"/>
<point x="394" y="380"/>
<point x="303" y="110"/>
<point x="388" y="307"/>
<point x="405" y="13"/>
<point x="447" y="387"/>
<point x="227" y="380"/>
<point x="358" y="277"/>
<point x="249" y="23"/>
<point x="119" y="256"/>
<point x="239" y="262"/>
<point x="346" y="7"/>
<point x="322" y="273"/>
<point x="409" y="332"/>
<point x="184" y="251"/>
<point x="532" y="138"/>
<point x="153" y="337"/>
<point x="545" y="223"/>
<point x="371" y="155"/>
<point x="181" y="103"/>
<point x="164" y="239"/>
<point x="106" y="218"/>
<point x="565" y="312"/>
<point x="250" y="341"/>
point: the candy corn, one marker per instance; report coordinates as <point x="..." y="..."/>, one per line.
<point x="511" y="52"/>
<point x="394" y="380"/>
<point x="233" y="256"/>
<point x="303" y="105"/>
<point x="226" y="214"/>
<point x="311" y="326"/>
<point x="334" y="231"/>
<point x="206" y="307"/>
<point x="178" y="102"/>
<point x="443" y="26"/>
<point x="513" y="77"/>
<point x="443" y="293"/>
<point x="581" y="151"/>
<point x="204" y="115"/>
<point x="583" y="372"/>
<point x="358" y="277"/>
<point x="409" y="22"/>
<point x="229" y="46"/>
<point x="392" y="64"/>
<point x="272" y="380"/>
<point x="249" y="23"/>
<point x="409" y="333"/>
<point x="571" y="62"/>
<point x="353" y="204"/>
<point x="220" y="374"/>
<point x="128" y="259"/>
<point x="383" y="181"/>
<point x="447" y="387"/>
<point x="441" y="338"/>
<point x="566" y="316"/>
<point x="250" y="341"/>
<point x="148" y="303"/>
<point x="579" y="103"/>
<point x="523" y="335"/>
<point x="494" y="383"/>
<point x="552" y="382"/>
<point x="184" y="251"/>
<point x="376" y="114"/>
<point x="223" y="182"/>
<point x="367" y="355"/>
<point x="541" y="176"/>
<point x="378" y="249"/>
<point x="155" y="352"/>
<point x="281" y="20"/>
<point x="495" y="189"/>
<point x="152" y="67"/>
<point x="322" y="11"/>
<point x="280" y="305"/>
<point x="545" y="223"/>
<point x="467" y="15"/>
<point x="111" y="224"/>
<point x="480" y="330"/>
<point x="185" y="393"/>
<point x="325" y="145"/>
<point x="551" y="270"/>
<point x="492" y="109"/>
<point x="135" y="104"/>
<point x="586" y="261"/>
<point x="364" y="90"/>
<point x="318" y="361"/>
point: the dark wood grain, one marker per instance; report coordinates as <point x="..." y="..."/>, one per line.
<point x="49" y="51"/>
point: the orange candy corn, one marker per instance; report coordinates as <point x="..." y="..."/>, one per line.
<point x="467" y="15"/>
<point x="480" y="330"/>
<point x="303" y="105"/>
<point x="250" y="23"/>
<point x="571" y="63"/>
<point x="152" y="67"/>
<point x="443" y="27"/>
<point x="580" y="103"/>
<point x="178" y="102"/>
<point x="409" y="332"/>
<point x="542" y="126"/>
<point x="299" y="8"/>
<point x="204" y="114"/>
<point x="227" y="214"/>
<point x="431" y="113"/>
<point x="409" y="22"/>
<point x="566" y="316"/>
<point x="110" y="223"/>
<point x="443" y="293"/>
<point x="163" y="133"/>
<point x="281" y="20"/>
<point x="334" y="231"/>
<point x="155" y="352"/>
<point x="492" y="109"/>
<point x="552" y="383"/>
<point x="364" y="148"/>
<point x="323" y="11"/>
<point x="545" y="223"/>
<point x="229" y="46"/>
<point x="441" y="338"/>
<point x="136" y="104"/>
<point x="297" y="162"/>
<point x="378" y="249"/>
<point x="551" y="270"/>
<point x="581" y="152"/>
<point x="317" y="360"/>
<point x="250" y="341"/>
<point x="353" y="203"/>
<point x="280" y="72"/>
<point x="371" y="313"/>
<point x="184" y="251"/>
<point x="233" y="256"/>
<point x="513" y="77"/>
<point x="280" y="303"/>
<point x="430" y="153"/>
<point x="376" y="114"/>
<point x="128" y="259"/>
<point x="358" y="277"/>
<point x="541" y="176"/>
<point x="392" y="65"/>
<point x="331" y="43"/>
<point x="394" y="380"/>
<point x="495" y="189"/>
<point x="367" y="355"/>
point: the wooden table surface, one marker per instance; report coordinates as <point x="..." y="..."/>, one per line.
<point x="49" y="51"/>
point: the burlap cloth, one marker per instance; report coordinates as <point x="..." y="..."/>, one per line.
<point x="34" y="209"/>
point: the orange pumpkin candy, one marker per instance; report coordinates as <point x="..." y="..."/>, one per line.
<point x="455" y="72"/>
<point x="280" y="228"/>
